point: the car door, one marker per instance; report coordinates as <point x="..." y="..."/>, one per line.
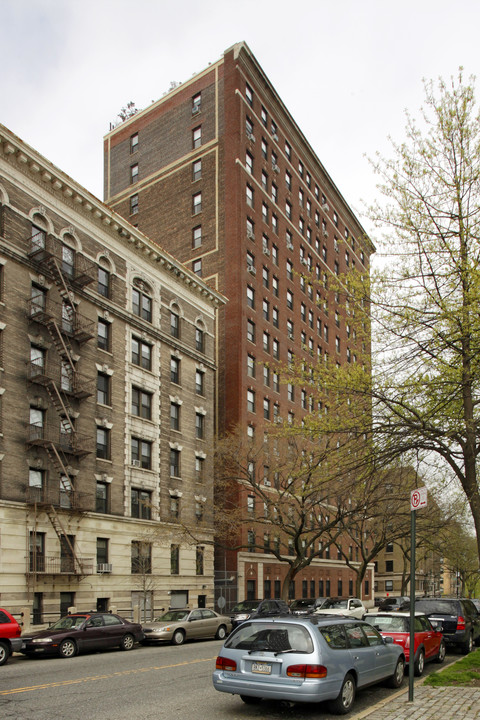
<point x="383" y="656"/>
<point x="196" y="626"/>
<point x="210" y="623"/>
<point x="426" y="636"/>
<point x="93" y="636"/>
<point x="362" y="654"/>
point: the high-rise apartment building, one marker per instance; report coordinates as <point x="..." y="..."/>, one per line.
<point x="218" y="172"/>
<point x="107" y="363"/>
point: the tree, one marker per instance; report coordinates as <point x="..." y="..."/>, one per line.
<point x="426" y="387"/>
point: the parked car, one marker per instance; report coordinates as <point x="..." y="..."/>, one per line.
<point x="458" y="616"/>
<point x="10" y="632"/>
<point x="82" y="631"/>
<point x="176" y="626"/>
<point x="393" y="602"/>
<point x="248" y="609"/>
<point x="306" y="659"/>
<point x="302" y="607"/>
<point x="429" y="642"/>
<point x="351" y="607"/>
<point x="476" y="602"/>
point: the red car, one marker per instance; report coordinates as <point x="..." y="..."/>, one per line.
<point x="429" y="642"/>
<point x="10" y="632"/>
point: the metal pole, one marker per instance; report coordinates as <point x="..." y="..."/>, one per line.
<point x="411" y="661"/>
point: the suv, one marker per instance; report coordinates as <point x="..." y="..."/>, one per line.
<point x="459" y="618"/>
<point x="393" y="603"/>
<point x="342" y="606"/>
<point x="10" y="640"/>
<point x="248" y="609"/>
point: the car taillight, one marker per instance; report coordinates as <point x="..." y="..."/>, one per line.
<point x="460" y="623"/>
<point x="224" y="663"/>
<point x="307" y="671"/>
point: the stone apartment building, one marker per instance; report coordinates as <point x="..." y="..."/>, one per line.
<point x="107" y="374"/>
<point x="218" y="172"/>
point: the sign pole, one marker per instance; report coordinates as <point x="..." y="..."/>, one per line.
<point x="411" y="662"/>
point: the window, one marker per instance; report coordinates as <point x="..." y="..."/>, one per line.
<point x="103" y="443"/>
<point x="266" y="310"/>
<point x="141" y="504"/>
<point x="197" y="170"/>
<point x="197" y="236"/>
<point x="197" y="136"/>
<point x="264" y="181"/>
<point x="102" y="551"/>
<point x="249" y="162"/>
<point x="251" y="505"/>
<point x="389" y="566"/>
<point x="199" y="340"/>
<point x="141" y="557"/>
<point x="174" y="462"/>
<point x="142" y="303"/>
<point x="288" y="209"/>
<point x="290" y="329"/>
<point x="196" y="103"/>
<point x="288" y="150"/>
<point x="250" y="229"/>
<point x="250" y="297"/>
<point x="264" y="149"/>
<point x="266" y="277"/>
<point x="289" y="299"/>
<point x="199" y="553"/>
<point x="251" y="366"/>
<point x="133" y="204"/>
<point x="134" y="143"/>
<point x="101" y="497"/>
<point x="266" y="375"/>
<point x="199" y="468"/>
<point x="249" y="94"/>
<point x="266" y="342"/>
<point x="174" y="324"/>
<point x="175" y="370"/>
<point x="103" y="389"/>
<point x="199" y="426"/>
<point x="288" y="179"/>
<point x="197" y="203"/>
<point x="274" y="251"/>
<point x="141" y="353"/>
<point x="276" y="349"/>
<point x="276" y="382"/>
<point x="38" y="300"/>
<point x="249" y="127"/>
<point x="174" y="559"/>
<point x="266" y="408"/>
<point x="103" y="282"/>
<point x="141" y="403"/>
<point x="200" y="382"/>
<point x="265" y="213"/>
<point x="134" y="173"/>
<point x="141" y="453"/>
<point x="264" y="116"/>
<point x="174" y="416"/>
<point x="275" y="286"/>
<point x="197" y="267"/>
<point x="251" y="331"/>
<point x="249" y="196"/>
<point x="251" y="401"/>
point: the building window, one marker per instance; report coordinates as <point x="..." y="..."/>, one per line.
<point x="288" y="209"/>
<point x="103" y="335"/>
<point x="288" y="150"/>
<point x="199" y="468"/>
<point x="174" y="416"/>
<point x="251" y="366"/>
<point x="199" y="426"/>
<point x="266" y="408"/>
<point x="251" y="401"/>
<point x="197" y="137"/>
<point x="101" y="497"/>
<point x="103" y="282"/>
<point x="251" y="331"/>
<point x="276" y="349"/>
<point x="174" y="559"/>
<point x="197" y="236"/>
<point x="197" y="170"/>
<point x="199" y="557"/>
<point x="249" y="196"/>
<point x="141" y="504"/>
<point x="196" y="203"/>
<point x="264" y="149"/>
<point x="175" y="370"/>
<point x="141" y="403"/>
<point x="103" y="443"/>
<point x="199" y="340"/>
<point x="142" y="304"/>
<point x="133" y="204"/>
<point x="249" y="94"/>
<point x="197" y="267"/>
<point x="134" y="143"/>
<point x="200" y="382"/>
<point x="134" y="173"/>
<point x="196" y="103"/>
<point x="249" y="162"/>
<point x="141" y="453"/>
<point x="266" y="342"/>
<point x="174" y="463"/>
<point x="264" y="116"/>
<point x="141" y="557"/>
<point x="141" y="353"/>
<point x="102" y="551"/>
<point x="103" y="389"/>
<point x="389" y="566"/>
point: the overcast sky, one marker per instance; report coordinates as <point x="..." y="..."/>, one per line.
<point x="346" y="69"/>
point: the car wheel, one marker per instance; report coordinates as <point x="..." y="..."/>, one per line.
<point x="221" y="632"/>
<point x="442" y="650"/>
<point x="250" y="700"/>
<point x="4" y="653"/>
<point x="419" y="664"/>
<point x="467" y="646"/>
<point x="343" y="703"/>
<point x="68" y="648"/>
<point x="128" y="641"/>
<point x="396" y="679"/>
<point x="178" y="637"/>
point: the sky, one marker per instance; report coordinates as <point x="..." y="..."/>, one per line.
<point x="346" y="69"/>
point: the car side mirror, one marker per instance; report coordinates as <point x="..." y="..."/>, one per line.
<point x="387" y="640"/>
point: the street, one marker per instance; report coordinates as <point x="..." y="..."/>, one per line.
<point x="146" y="683"/>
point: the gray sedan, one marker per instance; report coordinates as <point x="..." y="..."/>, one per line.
<point x="176" y="626"/>
<point x="306" y="660"/>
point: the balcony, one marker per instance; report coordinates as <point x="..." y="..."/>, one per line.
<point x="69" y="321"/>
<point x="46" y="250"/>
<point x="54" y="565"/>
<point x="73" y="500"/>
<point x="70" y="443"/>
<point x="78" y="386"/>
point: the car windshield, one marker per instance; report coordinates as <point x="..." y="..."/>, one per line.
<point x="245" y="606"/>
<point x="443" y="607"/>
<point x="69" y="622"/>
<point x="336" y="604"/>
<point x="388" y="624"/>
<point x="300" y="604"/>
<point x="271" y="637"/>
<point x="173" y="616"/>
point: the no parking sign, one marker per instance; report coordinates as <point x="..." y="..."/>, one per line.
<point x="418" y="498"/>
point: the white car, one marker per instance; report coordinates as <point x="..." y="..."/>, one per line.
<point x="350" y="607"/>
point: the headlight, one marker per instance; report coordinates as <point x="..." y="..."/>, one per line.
<point x="42" y="640"/>
<point x="244" y="616"/>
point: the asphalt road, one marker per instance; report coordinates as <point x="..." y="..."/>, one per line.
<point x="145" y="683"/>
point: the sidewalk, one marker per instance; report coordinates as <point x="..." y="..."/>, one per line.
<point x="440" y="703"/>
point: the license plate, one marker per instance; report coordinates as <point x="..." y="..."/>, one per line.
<point x="262" y="668"/>
<point x="23" y="646"/>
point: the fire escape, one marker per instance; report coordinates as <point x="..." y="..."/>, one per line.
<point x="62" y="443"/>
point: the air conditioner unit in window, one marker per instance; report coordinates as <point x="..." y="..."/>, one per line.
<point x="266" y="251"/>
<point x="136" y="463"/>
<point x="275" y="137"/>
<point x="195" y="109"/>
<point x="325" y="207"/>
<point x="275" y="168"/>
<point x="303" y="261"/>
<point x="104" y="568"/>
<point x="290" y="246"/>
<point x="325" y="233"/>
<point x="251" y="136"/>
<point x="251" y="270"/>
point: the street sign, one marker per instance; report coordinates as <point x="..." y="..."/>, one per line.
<point x="418" y="498"/>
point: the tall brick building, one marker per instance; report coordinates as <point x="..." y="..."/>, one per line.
<point x="218" y="172"/>
<point x="107" y="363"/>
